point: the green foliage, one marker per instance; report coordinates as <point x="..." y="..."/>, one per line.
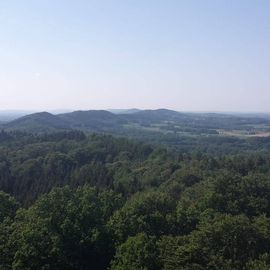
<point x="64" y="230"/>
<point x="263" y="263"/>
<point x="6" y="249"/>
<point x="98" y="202"/>
<point x="235" y="194"/>
<point x="8" y="206"/>
<point x="32" y="165"/>
<point x="151" y="212"/>
<point x="224" y="242"/>
<point x="137" y="253"/>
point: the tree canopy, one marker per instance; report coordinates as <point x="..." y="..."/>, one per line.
<point x="76" y="201"/>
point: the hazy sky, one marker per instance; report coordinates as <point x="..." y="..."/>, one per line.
<point x="184" y="55"/>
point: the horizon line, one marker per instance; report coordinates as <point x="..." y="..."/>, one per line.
<point x="133" y="108"/>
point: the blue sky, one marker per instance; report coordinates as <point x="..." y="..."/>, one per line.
<point x="190" y="55"/>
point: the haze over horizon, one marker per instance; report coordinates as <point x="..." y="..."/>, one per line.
<point x="181" y="55"/>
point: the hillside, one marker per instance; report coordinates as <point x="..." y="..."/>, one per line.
<point x="99" y="120"/>
<point x="144" y="123"/>
<point x="38" y="123"/>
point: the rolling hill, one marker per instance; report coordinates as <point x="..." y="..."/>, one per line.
<point x="99" y="120"/>
<point x="162" y="121"/>
<point x="38" y="123"/>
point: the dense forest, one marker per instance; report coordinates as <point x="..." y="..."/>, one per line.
<point x="74" y="201"/>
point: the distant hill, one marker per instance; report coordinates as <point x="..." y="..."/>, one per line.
<point x="140" y="123"/>
<point x="150" y="116"/>
<point x="93" y="120"/>
<point x="124" y="111"/>
<point x="38" y="123"/>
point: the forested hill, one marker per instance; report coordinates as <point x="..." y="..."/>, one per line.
<point x="38" y="122"/>
<point x="78" y="202"/>
<point x="135" y="123"/>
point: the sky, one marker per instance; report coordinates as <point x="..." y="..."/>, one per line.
<point x="187" y="55"/>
